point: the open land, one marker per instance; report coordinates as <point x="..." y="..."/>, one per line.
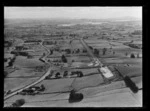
<point x="68" y="55"/>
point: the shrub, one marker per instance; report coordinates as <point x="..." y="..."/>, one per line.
<point x="132" y="55"/>
<point x="64" y="59"/>
<point x="18" y="103"/>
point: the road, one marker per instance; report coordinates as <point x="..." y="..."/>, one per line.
<point x="105" y="74"/>
<point x="97" y="61"/>
<point x="34" y="83"/>
<point x="48" y="52"/>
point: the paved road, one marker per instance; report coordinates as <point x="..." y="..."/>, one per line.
<point x="48" y="52"/>
<point x="34" y="83"/>
<point x="97" y="61"/>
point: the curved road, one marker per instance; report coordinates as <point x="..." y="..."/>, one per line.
<point x="48" y="72"/>
<point x="34" y="83"/>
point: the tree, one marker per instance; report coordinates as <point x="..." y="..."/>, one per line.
<point x="96" y="52"/>
<point x="18" y="103"/>
<point x="57" y="75"/>
<point x="77" y="51"/>
<point x="68" y="51"/>
<point x="5" y="74"/>
<point x="84" y="51"/>
<point x="132" y="55"/>
<point x="29" y="56"/>
<point x="113" y="52"/>
<point x="70" y="41"/>
<point x="126" y="53"/>
<point x="65" y="73"/>
<point x="64" y="59"/>
<point x="5" y="59"/>
<point x="104" y="51"/>
<point x="10" y="63"/>
<point x="44" y="54"/>
<point x="75" y="97"/>
<point x="51" y="52"/>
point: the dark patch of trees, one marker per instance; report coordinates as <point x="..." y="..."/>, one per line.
<point x="49" y="42"/>
<point x="51" y="52"/>
<point x="137" y="46"/>
<point x="11" y="61"/>
<point x="75" y="97"/>
<point x="126" y="54"/>
<point x="77" y="51"/>
<point x="5" y="59"/>
<point x="113" y="52"/>
<point x="104" y="51"/>
<point x="18" y="103"/>
<point x="68" y="51"/>
<point x="7" y="43"/>
<point x="65" y="73"/>
<point x="29" y="56"/>
<point x="40" y="68"/>
<point x="57" y="75"/>
<point x="84" y="51"/>
<point x="137" y="32"/>
<point x="96" y="52"/>
<point x="19" y="53"/>
<point x="132" y="55"/>
<point x="19" y="48"/>
<point x="64" y="59"/>
<point x="28" y="41"/>
<point x="5" y="74"/>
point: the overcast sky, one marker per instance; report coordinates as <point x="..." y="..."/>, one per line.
<point x="72" y="12"/>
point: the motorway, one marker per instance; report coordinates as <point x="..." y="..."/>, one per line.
<point x="34" y="83"/>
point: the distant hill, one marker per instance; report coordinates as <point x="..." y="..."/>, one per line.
<point x="65" y="20"/>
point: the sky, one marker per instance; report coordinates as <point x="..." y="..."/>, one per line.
<point x="72" y="12"/>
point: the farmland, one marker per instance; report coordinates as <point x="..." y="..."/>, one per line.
<point x="53" y="54"/>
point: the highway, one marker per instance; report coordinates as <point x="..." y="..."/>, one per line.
<point x="34" y="83"/>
